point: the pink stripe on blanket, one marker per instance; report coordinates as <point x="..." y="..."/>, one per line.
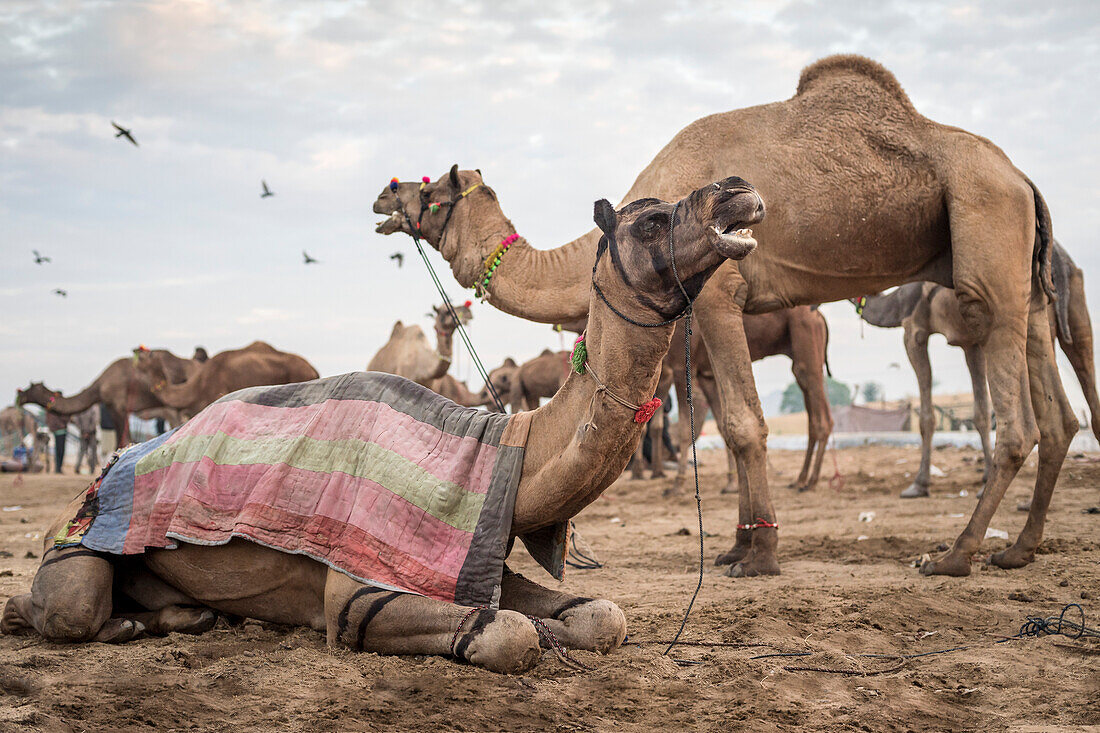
<point x="445" y="456"/>
<point x="294" y="495"/>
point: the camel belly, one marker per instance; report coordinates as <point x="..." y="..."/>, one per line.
<point x="246" y="579"/>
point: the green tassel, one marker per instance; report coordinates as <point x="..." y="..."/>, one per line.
<point x="580" y="356"/>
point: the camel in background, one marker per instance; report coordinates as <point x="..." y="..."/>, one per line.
<point x="869" y="194"/>
<point x="575" y="447"/>
<point x="923" y="309"/>
<point x="121" y="389"/>
<point x="524" y="386"/>
<point x="408" y="354"/>
<point x="257" y="364"/>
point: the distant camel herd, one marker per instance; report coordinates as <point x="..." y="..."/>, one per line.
<point x="862" y="194"/>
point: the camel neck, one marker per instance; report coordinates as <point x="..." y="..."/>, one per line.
<point x="582" y="440"/>
<point x="79" y="402"/>
<point x="546" y="286"/>
<point x="180" y="395"/>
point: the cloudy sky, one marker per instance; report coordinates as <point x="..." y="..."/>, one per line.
<point x="169" y="244"/>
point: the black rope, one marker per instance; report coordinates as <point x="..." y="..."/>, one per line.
<point x="414" y="231"/>
<point x="576" y="558"/>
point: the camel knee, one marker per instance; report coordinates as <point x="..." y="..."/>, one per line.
<point x="744" y="436"/>
<point x="600" y="624"/>
<point x="501" y="641"/>
<point x="77" y="623"/>
<point x="1014" y="448"/>
<point x="975" y="312"/>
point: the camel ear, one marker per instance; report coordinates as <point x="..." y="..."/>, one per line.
<point x="200" y="354"/>
<point x="604" y="216"/>
<point x="479" y="172"/>
<point x="454" y="176"/>
<point x="509" y="362"/>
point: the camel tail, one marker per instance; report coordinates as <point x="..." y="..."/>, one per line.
<point x="1063" y="268"/>
<point x="1043" y="254"/>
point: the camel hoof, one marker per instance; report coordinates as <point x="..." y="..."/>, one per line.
<point x="729" y="489"/>
<point x="805" y="488"/>
<point x="735" y="555"/>
<point x="955" y="564"/>
<point x="1024" y="506"/>
<point x="915" y="491"/>
<point x="119" y="631"/>
<point x="755" y="567"/>
<point x="672" y="491"/>
<point x="13" y="622"/>
<point x="1012" y="558"/>
<point x="508" y="644"/>
<point x="598" y="626"/>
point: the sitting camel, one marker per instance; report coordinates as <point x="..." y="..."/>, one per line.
<point x="121" y="389"/>
<point x="407" y="354"/>
<point x="560" y="458"/>
<point x="257" y="364"/>
<point x="923" y="309"/>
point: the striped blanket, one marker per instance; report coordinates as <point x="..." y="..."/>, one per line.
<point x="370" y="473"/>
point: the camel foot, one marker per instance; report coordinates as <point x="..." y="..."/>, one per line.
<point x="915" y="491"/>
<point x="672" y="491"/>
<point x="756" y="564"/>
<point x="119" y="631"/>
<point x="804" y="488"/>
<point x="507" y="644"/>
<point x="1024" y="506"/>
<point x="953" y="563"/>
<point x="1012" y="558"/>
<point x="182" y="620"/>
<point x="730" y="488"/>
<point x="15" y="619"/>
<point x="736" y="554"/>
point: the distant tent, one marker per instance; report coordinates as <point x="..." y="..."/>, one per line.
<point x="859" y="419"/>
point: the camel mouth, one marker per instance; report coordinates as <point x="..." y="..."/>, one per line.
<point x="391" y="224"/>
<point x="735" y="243"/>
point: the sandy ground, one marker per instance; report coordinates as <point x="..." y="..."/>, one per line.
<point x="847" y="587"/>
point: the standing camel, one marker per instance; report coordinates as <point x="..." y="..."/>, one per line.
<point x="923" y="309"/>
<point x="869" y="194"/>
<point x="257" y="364"/>
<point x="15" y="425"/>
<point x="407" y="354"/>
<point x="120" y="388"/>
<point x="524" y="386"/>
<point x="568" y="451"/>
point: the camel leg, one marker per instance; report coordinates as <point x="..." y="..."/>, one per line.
<point x="683" y="428"/>
<point x="741" y="419"/>
<point x="710" y="390"/>
<point x="1079" y="352"/>
<point x="975" y="362"/>
<point x="70" y="601"/>
<point x="916" y="346"/>
<point x="578" y="622"/>
<point x="1057" y="426"/>
<point x="809" y="373"/>
<point x="387" y="622"/>
<point x="656" y="430"/>
<point x="994" y="311"/>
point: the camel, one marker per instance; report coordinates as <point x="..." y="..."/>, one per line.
<point x="257" y="364"/>
<point x="15" y="424"/>
<point x="576" y="446"/>
<point x="523" y="386"/>
<point x="871" y="194"/>
<point x="120" y="388"/>
<point x="407" y="354"/>
<point x="923" y="309"/>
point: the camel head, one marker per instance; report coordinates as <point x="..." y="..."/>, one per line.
<point x="36" y="394"/>
<point x="148" y="365"/>
<point x="445" y="324"/>
<point x="502" y="378"/>
<point x="711" y="225"/>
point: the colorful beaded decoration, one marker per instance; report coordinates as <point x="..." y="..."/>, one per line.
<point x="579" y="356"/>
<point x="760" y="524"/>
<point x="393" y="183"/>
<point x="492" y="262"/>
<point x="861" y="303"/>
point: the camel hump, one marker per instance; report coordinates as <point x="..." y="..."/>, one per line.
<point x="546" y="352"/>
<point x="840" y="65"/>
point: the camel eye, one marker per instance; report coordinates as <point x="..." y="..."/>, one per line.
<point x="650" y="224"/>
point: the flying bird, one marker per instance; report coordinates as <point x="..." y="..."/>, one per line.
<point x="398" y="257"/>
<point x="307" y="259"/>
<point x="62" y="293"/>
<point x="40" y="259"/>
<point x="123" y="132"/>
<point x="267" y="191"/>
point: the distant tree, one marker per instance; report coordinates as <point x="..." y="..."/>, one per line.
<point x="872" y="392"/>
<point x="838" y="393"/>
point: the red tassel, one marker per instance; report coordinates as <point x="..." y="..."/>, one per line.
<point x="646" y="411"/>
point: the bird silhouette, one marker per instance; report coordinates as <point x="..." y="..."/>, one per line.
<point x="62" y="293"/>
<point x="267" y="191"/>
<point x="307" y="259"/>
<point x="123" y="132"/>
<point x="39" y="259"/>
<point x="398" y="257"/>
